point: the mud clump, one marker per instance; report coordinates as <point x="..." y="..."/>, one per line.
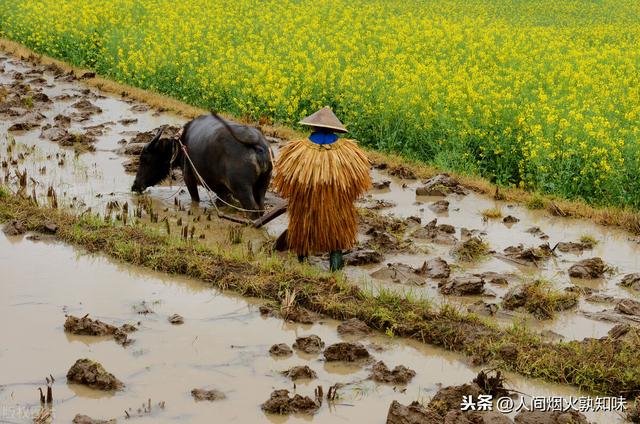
<point x="380" y="185"/>
<point x="139" y="108"/>
<point x="176" y="319"/>
<point x="280" y="403"/>
<point x="528" y="254"/>
<point x="573" y="247"/>
<point x="40" y="97"/>
<point x="61" y="135"/>
<point x="450" y="397"/>
<point x="131" y="166"/>
<point x="85" y="419"/>
<point x="93" y="374"/>
<point x="86" y="106"/>
<point x="435" y="268"/>
<point x="65" y="76"/>
<point x="631" y="281"/>
<point x="629" y="307"/>
<point x="399" y="273"/>
<point x="369" y="220"/>
<point x="444" y="407"/>
<point x="208" y="395"/>
<point x="309" y="344"/>
<point x="551" y="417"/>
<point x="145" y="137"/>
<point x="619" y="331"/>
<point x="121" y="337"/>
<point x="441" y="206"/>
<point x="354" y="327"/>
<point x="613" y="317"/>
<point x="600" y="298"/>
<point x="96" y="130"/>
<point x="402" y="172"/>
<point x="483" y="308"/>
<point x="400" y="375"/>
<point x="471" y="250"/>
<point x="79" y="142"/>
<point x="54" y="69"/>
<point x="50" y="227"/>
<point x="510" y="219"/>
<point x="299" y="373"/>
<point x="22" y="126"/>
<point x="536" y="231"/>
<point x="131" y="149"/>
<point x="414" y="413"/>
<point x="539" y="299"/>
<point x="62" y="121"/>
<point x="363" y="257"/>
<point x="348" y="352"/>
<point x="440" y="185"/>
<point x="497" y="278"/>
<point x="14" y="228"/>
<point x="491" y="383"/>
<point x="462" y="286"/>
<point x="441" y="234"/>
<point x="378" y="204"/>
<point x="128" y="121"/>
<point x="432" y="191"/>
<point x="280" y="349"/>
<point x="54" y="134"/>
<point x="588" y="269"/>
<point x="301" y="315"/>
<point x="383" y="240"/>
<point x="86" y="326"/>
<point x="87" y="75"/>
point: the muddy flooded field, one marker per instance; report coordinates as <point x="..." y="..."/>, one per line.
<point x="223" y="344"/>
<point x="63" y="142"/>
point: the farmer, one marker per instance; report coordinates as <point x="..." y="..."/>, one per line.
<point x="322" y="176"/>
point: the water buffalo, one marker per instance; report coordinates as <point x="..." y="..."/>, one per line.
<point x="233" y="159"/>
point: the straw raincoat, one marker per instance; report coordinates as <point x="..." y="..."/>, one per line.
<point x="321" y="177"/>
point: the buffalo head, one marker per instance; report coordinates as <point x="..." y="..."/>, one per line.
<point x="155" y="162"/>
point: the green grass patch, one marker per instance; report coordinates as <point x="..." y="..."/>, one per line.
<point x="540" y="299"/>
<point x="588" y="240"/>
<point x="471" y="250"/>
<point x="536" y="202"/>
<point x="492" y="213"/>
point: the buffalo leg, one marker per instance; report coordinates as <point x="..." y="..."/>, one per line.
<point x="224" y="195"/>
<point x="191" y="182"/>
<point x="260" y="189"/>
<point x="245" y="196"/>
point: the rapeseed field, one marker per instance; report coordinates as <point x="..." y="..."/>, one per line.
<point x="541" y="94"/>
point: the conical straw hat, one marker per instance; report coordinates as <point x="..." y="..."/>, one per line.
<point x="324" y="118"/>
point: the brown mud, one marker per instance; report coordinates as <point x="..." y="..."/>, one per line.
<point x="93" y="374"/>
<point x="300" y="372"/>
<point x="209" y="395"/>
<point x="93" y="179"/>
<point x="346" y="352"/>
<point x="399" y="375"/>
<point x="224" y="346"/>
<point x="309" y="344"/>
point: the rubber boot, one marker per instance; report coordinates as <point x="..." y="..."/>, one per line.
<point x="335" y="261"/>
